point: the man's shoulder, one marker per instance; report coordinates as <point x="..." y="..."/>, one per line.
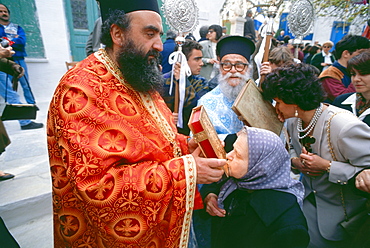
<point x="198" y="78"/>
<point x="332" y="72"/>
<point x="167" y="75"/>
<point x="317" y="56"/>
<point x="216" y="91"/>
<point x="15" y="25"/>
<point x="204" y="42"/>
<point x="211" y="95"/>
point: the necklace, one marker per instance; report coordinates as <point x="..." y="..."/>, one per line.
<point x="311" y="125"/>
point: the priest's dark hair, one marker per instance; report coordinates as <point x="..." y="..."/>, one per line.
<point x="295" y="84"/>
<point x="117" y="17"/>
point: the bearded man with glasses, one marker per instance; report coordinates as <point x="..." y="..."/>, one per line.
<point x="234" y="53"/>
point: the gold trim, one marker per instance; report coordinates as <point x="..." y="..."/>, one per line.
<point x="201" y="136"/>
<point x="191" y="182"/>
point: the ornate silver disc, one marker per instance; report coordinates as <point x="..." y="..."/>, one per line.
<point x="181" y="15"/>
<point x="300" y="18"/>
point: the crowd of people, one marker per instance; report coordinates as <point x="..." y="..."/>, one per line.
<point x="127" y="173"/>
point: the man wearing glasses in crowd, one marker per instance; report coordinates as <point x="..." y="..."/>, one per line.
<point x="234" y="53"/>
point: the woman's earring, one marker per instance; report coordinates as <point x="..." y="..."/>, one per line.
<point x="296" y="113"/>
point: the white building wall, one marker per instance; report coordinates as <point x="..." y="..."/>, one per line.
<point x="45" y="73"/>
<point x="209" y="13"/>
<point x="322" y="29"/>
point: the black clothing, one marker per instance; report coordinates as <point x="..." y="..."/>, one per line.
<point x="261" y="218"/>
<point x="249" y="30"/>
<point x="338" y="102"/>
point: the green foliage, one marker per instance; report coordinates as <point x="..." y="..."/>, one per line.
<point x="344" y="10"/>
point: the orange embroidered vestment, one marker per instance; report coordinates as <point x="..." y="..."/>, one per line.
<point x="118" y="174"/>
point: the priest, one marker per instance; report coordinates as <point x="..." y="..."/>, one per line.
<point x="121" y="174"/>
<point x="234" y="54"/>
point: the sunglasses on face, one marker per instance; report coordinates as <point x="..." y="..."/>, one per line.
<point x="326" y="46"/>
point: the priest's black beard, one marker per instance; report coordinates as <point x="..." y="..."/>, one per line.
<point x="141" y="73"/>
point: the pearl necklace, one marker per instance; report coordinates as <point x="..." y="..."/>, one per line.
<point x="311" y="125"/>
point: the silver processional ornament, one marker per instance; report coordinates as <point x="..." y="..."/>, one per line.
<point x="182" y="16"/>
<point x="300" y="18"/>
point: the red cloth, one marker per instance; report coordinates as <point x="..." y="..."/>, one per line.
<point x="366" y="32"/>
<point x="335" y="87"/>
<point x="116" y="181"/>
<point x="331" y="80"/>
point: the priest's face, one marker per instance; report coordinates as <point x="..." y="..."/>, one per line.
<point x="232" y="80"/>
<point x="138" y="56"/>
<point x="234" y="65"/>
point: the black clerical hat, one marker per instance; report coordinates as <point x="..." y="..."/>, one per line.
<point x="235" y="44"/>
<point x="127" y="6"/>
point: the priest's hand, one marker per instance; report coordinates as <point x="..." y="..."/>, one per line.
<point x="212" y="206"/>
<point x="209" y="170"/>
<point x="192" y="145"/>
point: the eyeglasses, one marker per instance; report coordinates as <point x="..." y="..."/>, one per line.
<point x="239" y="67"/>
<point x="210" y="31"/>
<point x="326" y="46"/>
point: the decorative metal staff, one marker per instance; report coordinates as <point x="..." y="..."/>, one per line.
<point x="300" y="21"/>
<point x="182" y="16"/>
<point x="271" y="13"/>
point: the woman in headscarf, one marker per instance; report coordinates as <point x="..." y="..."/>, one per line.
<point x="259" y="204"/>
<point x="330" y="146"/>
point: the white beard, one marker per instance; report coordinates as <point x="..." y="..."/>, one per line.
<point x="231" y="92"/>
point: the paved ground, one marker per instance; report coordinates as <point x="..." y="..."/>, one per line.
<point x="25" y="201"/>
